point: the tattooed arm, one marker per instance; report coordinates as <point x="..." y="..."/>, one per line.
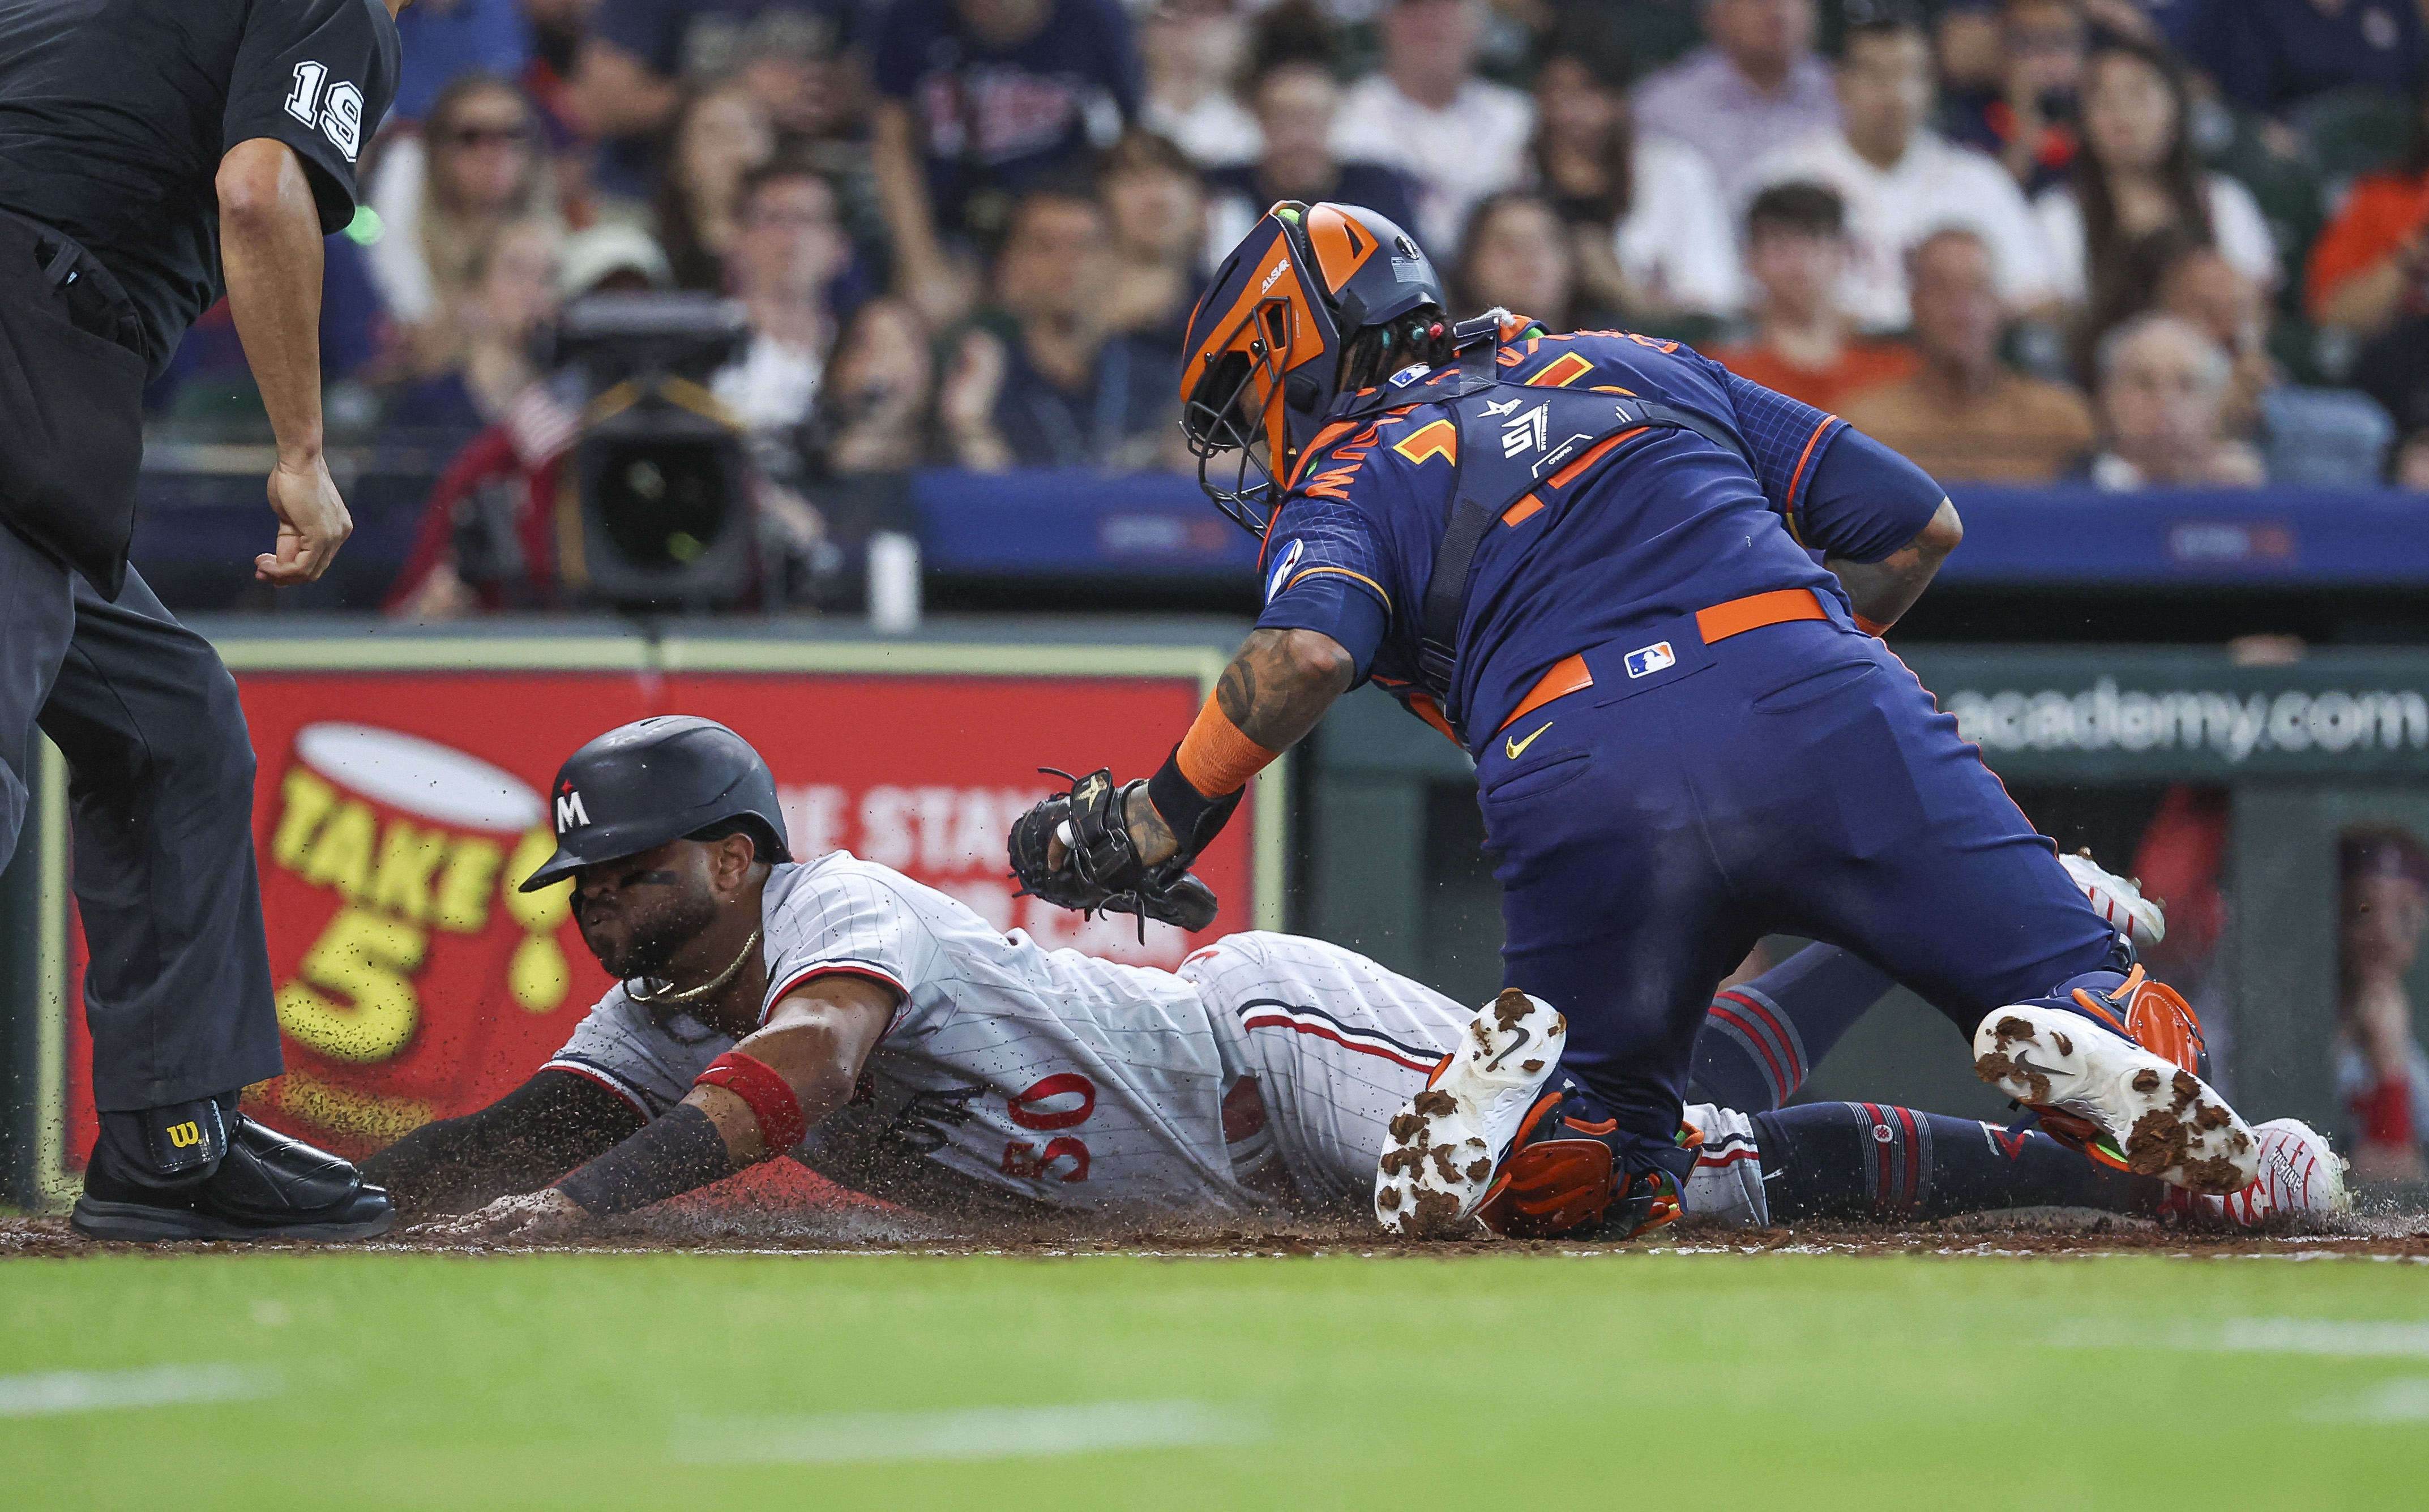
<point x="1273" y="693"/>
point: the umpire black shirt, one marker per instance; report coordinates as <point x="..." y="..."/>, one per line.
<point x="114" y="115"/>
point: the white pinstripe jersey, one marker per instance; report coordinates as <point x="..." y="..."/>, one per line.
<point x="1050" y="1074"/>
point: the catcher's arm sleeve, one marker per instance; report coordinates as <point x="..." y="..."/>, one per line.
<point x="1270" y="696"/>
<point x="524" y="1139"/>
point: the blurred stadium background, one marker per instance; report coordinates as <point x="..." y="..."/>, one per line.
<point x="809" y="363"/>
<point x="812" y="362"/>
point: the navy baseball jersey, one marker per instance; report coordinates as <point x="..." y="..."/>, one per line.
<point x="1645" y="526"/>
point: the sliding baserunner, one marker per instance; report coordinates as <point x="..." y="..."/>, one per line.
<point x="892" y="1040"/>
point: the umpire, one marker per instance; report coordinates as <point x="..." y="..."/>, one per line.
<point x="154" y="156"/>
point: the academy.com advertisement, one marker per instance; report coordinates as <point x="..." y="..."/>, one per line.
<point x="395" y="812"/>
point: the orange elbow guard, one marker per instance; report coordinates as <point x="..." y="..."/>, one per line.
<point x="1215" y="757"/>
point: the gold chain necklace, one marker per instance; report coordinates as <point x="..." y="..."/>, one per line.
<point x="656" y="992"/>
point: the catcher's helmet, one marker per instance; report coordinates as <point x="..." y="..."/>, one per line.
<point x="1261" y="361"/>
<point x="642" y="784"/>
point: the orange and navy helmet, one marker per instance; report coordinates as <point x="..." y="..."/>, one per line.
<point x="1261" y="361"/>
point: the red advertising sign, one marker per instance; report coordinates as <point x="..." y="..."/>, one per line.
<point x="396" y="811"/>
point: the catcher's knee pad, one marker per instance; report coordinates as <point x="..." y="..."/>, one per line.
<point x="1572" y="1174"/>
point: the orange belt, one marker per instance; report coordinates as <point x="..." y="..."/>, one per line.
<point x="1715" y="624"/>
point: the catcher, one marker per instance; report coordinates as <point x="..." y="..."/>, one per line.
<point x="1590" y="559"/>
<point x="889" y="1038"/>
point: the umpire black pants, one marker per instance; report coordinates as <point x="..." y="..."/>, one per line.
<point x="177" y="993"/>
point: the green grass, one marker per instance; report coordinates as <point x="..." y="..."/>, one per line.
<point x="1613" y="1381"/>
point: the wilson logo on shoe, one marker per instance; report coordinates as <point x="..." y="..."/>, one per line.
<point x="186" y="1135"/>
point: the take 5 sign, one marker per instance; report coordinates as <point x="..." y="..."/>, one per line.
<point x="398" y="808"/>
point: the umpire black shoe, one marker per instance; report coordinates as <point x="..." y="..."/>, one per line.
<point x="265" y="1186"/>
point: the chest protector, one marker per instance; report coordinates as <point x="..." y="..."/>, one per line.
<point x="1513" y="437"/>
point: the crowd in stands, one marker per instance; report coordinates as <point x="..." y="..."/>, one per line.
<point x="2127" y="242"/>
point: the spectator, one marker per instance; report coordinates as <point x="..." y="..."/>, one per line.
<point x="788" y="250"/>
<point x="2317" y="437"/>
<point x="441" y="40"/>
<point x="1192" y="51"/>
<point x="642" y="58"/>
<point x="2266" y="55"/>
<point x="1297" y="101"/>
<point x="2198" y="286"/>
<point x="611" y="258"/>
<point x="1964" y="415"/>
<point x="2371" y="266"/>
<point x="1756" y="85"/>
<point x="1159" y="215"/>
<point x="1649" y="227"/>
<point x="2383" y="876"/>
<point x="1900" y="181"/>
<point x="2163" y="383"/>
<point x="511" y="297"/>
<point x="1516" y="255"/>
<point x="1803" y="346"/>
<point x="441" y="194"/>
<point x="977" y="100"/>
<point x="546" y="81"/>
<point x="2028" y="121"/>
<point x="1426" y="111"/>
<point x="1062" y="391"/>
<point x="872" y="413"/>
<point x="720" y="136"/>
<point x="2136" y="174"/>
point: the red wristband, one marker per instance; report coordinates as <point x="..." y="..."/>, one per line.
<point x="1875" y="628"/>
<point x="765" y="1093"/>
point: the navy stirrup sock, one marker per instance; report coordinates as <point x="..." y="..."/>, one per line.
<point x="1875" y="1162"/>
<point x="1764" y="1037"/>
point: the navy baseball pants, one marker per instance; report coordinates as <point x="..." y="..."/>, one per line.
<point x="1792" y="779"/>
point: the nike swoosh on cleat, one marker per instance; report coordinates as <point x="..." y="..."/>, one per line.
<point x="2026" y="1066"/>
<point x="1517" y="747"/>
<point x="1523" y="1032"/>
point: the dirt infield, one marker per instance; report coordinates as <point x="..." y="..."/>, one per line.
<point x="2059" y="1233"/>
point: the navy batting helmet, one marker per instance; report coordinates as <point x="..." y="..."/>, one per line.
<point x="1263" y="359"/>
<point x="642" y="784"/>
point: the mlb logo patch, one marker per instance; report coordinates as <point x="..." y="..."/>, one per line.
<point x="1648" y="660"/>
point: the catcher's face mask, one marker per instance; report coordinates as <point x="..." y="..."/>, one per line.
<point x="1261" y="361"/>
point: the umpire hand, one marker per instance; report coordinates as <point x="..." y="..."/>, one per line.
<point x="270" y="248"/>
<point x="312" y="524"/>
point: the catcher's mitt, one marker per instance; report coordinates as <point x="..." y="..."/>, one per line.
<point x="1100" y="869"/>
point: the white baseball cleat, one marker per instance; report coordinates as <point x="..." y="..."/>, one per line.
<point x="2117" y="899"/>
<point x="2148" y="1115"/>
<point x="2299" y="1174"/>
<point x="1443" y="1146"/>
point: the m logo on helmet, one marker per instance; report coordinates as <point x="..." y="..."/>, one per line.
<point x="569" y="811"/>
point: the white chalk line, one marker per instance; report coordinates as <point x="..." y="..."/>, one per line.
<point x="2329" y="1337"/>
<point x="965" y="1433"/>
<point x="2402" y="1400"/>
<point x="152" y="1385"/>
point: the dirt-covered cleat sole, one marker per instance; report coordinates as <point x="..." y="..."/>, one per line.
<point x="2159" y="1119"/>
<point x="2117" y="899"/>
<point x="2300" y="1173"/>
<point x="1443" y="1146"/>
